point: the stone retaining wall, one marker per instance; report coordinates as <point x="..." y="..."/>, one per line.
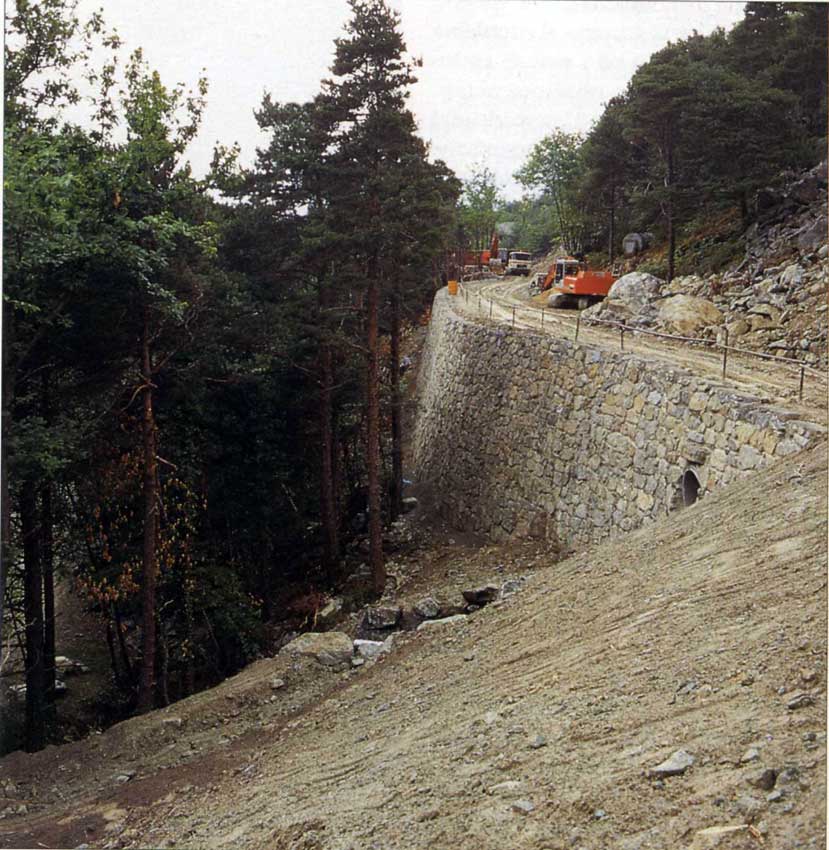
<point x="521" y="434"/>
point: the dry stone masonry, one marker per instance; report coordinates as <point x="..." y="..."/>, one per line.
<point x="521" y="434"/>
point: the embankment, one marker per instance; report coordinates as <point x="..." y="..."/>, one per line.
<point x="524" y="434"/>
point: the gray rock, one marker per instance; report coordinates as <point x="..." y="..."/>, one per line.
<point x="331" y="649"/>
<point x="277" y="683"/>
<point x="427" y="608"/>
<point x="763" y="779"/>
<point x="675" y="765"/>
<point x="367" y="649"/>
<point x="383" y="617"/>
<point x="523" y="807"/>
<point x="788" y="775"/>
<point x="799" y="701"/>
<point x="538" y="742"/>
<point x="481" y="595"/>
<point x="750" y="755"/>
<point x="792" y="275"/>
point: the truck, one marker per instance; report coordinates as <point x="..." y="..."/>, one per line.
<point x="519" y="263"/>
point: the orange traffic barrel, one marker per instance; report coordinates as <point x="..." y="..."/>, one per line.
<point x="453" y="287"/>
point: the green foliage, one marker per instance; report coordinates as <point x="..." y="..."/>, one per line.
<point x="554" y="170"/>
<point x="479" y="206"/>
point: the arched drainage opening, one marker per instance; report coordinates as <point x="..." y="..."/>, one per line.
<point x="690" y="487"/>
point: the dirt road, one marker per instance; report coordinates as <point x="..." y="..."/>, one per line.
<point x="494" y="300"/>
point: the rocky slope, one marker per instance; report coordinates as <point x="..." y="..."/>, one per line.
<point x="666" y="689"/>
<point x="773" y="301"/>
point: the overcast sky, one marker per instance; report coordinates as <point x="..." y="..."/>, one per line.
<point x="497" y="75"/>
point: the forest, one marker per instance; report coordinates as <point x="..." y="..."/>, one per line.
<point x="202" y="407"/>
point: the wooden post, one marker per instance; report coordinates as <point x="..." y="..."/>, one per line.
<point x="622" y="336"/>
<point x="490" y="308"/>
<point x="513" y="316"/>
<point x="725" y="353"/>
<point x="578" y="326"/>
<point x="802" y="376"/>
<point x="543" y="310"/>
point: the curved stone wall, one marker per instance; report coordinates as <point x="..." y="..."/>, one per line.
<point x="521" y="434"/>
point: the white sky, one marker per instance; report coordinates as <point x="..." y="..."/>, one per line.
<point x="497" y="75"/>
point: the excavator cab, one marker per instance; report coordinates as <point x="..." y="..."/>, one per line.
<point x="565" y="268"/>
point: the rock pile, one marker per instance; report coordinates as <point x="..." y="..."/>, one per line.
<point x="774" y="301"/>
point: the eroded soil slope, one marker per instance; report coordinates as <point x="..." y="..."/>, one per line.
<point x="534" y="723"/>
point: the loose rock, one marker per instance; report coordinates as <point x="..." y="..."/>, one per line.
<point x="675" y="765"/>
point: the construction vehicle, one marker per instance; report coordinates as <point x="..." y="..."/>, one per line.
<point x="571" y="282"/>
<point x="518" y="263"/>
<point x="495" y="264"/>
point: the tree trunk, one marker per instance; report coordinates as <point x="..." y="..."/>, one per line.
<point x="122" y="645"/>
<point x="5" y="435"/>
<point x="669" y="183"/>
<point x="396" y="411"/>
<point x="47" y="553"/>
<point x="113" y="658"/>
<point x="328" y="501"/>
<point x="744" y="215"/>
<point x="33" y="604"/>
<point x="612" y="238"/>
<point x="146" y="685"/>
<point x="375" y="525"/>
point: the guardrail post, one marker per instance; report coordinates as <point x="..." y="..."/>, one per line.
<point x="578" y="325"/>
<point x="490" y="308"/>
<point x="802" y="376"/>
<point x="725" y="353"/>
<point x="543" y="311"/>
<point x="622" y="336"/>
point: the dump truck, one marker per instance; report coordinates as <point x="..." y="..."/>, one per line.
<point x="571" y="282"/>
<point x="519" y="262"/>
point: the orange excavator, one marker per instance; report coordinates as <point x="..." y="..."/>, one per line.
<point x="570" y="282"/>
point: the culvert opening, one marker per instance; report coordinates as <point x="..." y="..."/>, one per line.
<point x="690" y="487"/>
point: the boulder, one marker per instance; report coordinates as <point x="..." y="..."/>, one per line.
<point x="812" y="236"/>
<point x="686" y="314"/>
<point x="791" y="276"/>
<point x="369" y="649"/>
<point x="383" y="617"/>
<point x="675" y="765"/>
<point x="427" y="608"/>
<point x="635" y="290"/>
<point x="331" y="649"/>
<point x="738" y="327"/>
<point x="481" y="595"/>
<point x="811" y="186"/>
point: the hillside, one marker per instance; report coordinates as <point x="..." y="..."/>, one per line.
<point x="535" y="722"/>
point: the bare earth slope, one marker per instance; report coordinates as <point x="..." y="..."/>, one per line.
<point x="534" y="724"/>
